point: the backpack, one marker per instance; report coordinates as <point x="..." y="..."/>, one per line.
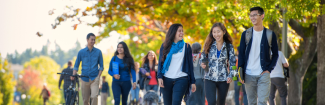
<point x="48" y="92"/>
<point x="249" y="33"/>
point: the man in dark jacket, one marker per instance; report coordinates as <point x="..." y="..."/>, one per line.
<point x="256" y="46"/>
<point x="67" y="79"/>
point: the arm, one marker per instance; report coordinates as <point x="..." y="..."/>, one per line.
<point x="100" y="61"/>
<point x="232" y="60"/>
<point x="191" y="65"/>
<point x="110" y="69"/>
<point x="134" y="76"/>
<point x="77" y="63"/>
<point x="285" y="62"/>
<point x="61" y="78"/>
<point x="160" y="75"/>
<point x="241" y="50"/>
<point x="275" y="54"/>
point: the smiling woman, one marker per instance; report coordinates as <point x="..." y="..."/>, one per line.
<point x="175" y="68"/>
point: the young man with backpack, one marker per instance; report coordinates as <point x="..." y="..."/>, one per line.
<point x="278" y="80"/>
<point x="256" y="46"/>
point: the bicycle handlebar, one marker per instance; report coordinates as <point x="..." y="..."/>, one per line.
<point x="77" y="75"/>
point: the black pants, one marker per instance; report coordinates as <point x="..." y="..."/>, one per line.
<point x="211" y="88"/>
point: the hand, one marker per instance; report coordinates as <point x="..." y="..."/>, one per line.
<point x="134" y="85"/>
<point x="203" y="65"/>
<point x="229" y="80"/>
<point x="59" y="88"/>
<point x="193" y="88"/>
<point x="242" y="82"/>
<point x="116" y="76"/>
<point x="147" y="74"/>
<point x="161" y="82"/>
<point x="72" y="78"/>
<point x="266" y="71"/>
<point x="79" y="89"/>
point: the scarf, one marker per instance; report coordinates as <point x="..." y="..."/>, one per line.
<point x="174" y="49"/>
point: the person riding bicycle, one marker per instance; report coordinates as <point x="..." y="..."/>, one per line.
<point x="67" y="79"/>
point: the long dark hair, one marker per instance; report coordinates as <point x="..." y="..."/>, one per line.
<point x="170" y="36"/>
<point x="145" y="60"/>
<point x="128" y="59"/>
<point x="209" y="40"/>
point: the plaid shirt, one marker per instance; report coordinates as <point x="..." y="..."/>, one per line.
<point x="67" y="80"/>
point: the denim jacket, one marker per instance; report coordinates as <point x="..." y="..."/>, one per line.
<point x="218" y="66"/>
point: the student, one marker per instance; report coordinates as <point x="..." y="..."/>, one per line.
<point x="92" y="67"/>
<point x="104" y="91"/>
<point x="135" y="92"/>
<point x="175" y="67"/>
<point x="256" y="45"/>
<point x="149" y="64"/>
<point x="67" y="79"/>
<point x="198" y="97"/>
<point x="278" y="80"/>
<point x="218" y="49"/>
<point x="122" y="82"/>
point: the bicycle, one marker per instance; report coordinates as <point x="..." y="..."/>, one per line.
<point x="72" y="97"/>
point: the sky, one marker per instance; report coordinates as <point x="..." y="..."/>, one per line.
<point x="20" y="20"/>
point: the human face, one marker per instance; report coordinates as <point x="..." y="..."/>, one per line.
<point x="151" y="56"/>
<point x="91" y="41"/>
<point x="218" y="34"/>
<point x="120" y="49"/>
<point x="179" y="34"/>
<point x="256" y="18"/>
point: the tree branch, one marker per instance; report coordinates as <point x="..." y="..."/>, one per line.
<point x="297" y="27"/>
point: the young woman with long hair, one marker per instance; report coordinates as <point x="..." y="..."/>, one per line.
<point x="175" y="67"/>
<point x="122" y="82"/>
<point x="219" y="51"/>
<point x="149" y="63"/>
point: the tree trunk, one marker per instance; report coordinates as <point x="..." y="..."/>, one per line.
<point x="321" y="59"/>
<point x="300" y="62"/>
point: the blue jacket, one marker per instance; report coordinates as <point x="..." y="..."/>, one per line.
<point x="266" y="62"/>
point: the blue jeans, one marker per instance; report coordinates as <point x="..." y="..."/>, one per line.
<point x="174" y="90"/>
<point x="135" y="94"/>
<point x="121" y="88"/>
<point x="237" y="89"/>
<point x="211" y="89"/>
<point x="152" y="87"/>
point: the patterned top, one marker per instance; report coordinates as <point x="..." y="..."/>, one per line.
<point x="218" y="66"/>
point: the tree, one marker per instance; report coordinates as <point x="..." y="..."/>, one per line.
<point x="147" y="20"/>
<point x="321" y="54"/>
<point x="6" y="83"/>
<point x="47" y="69"/>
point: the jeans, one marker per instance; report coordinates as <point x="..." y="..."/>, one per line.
<point x="278" y="84"/>
<point x="198" y="97"/>
<point x="121" y="88"/>
<point x="210" y="92"/>
<point x="152" y="87"/>
<point x="237" y="90"/>
<point x="135" y="94"/>
<point x="174" y="90"/>
<point x="257" y="87"/>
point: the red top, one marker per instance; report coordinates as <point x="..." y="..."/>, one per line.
<point x="153" y="80"/>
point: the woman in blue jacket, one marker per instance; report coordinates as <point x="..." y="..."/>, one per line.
<point x="121" y="82"/>
<point x="175" y="67"/>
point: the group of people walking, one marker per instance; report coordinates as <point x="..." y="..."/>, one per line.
<point x="183" y="72"/>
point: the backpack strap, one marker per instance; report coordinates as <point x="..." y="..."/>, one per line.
<point x="249" y="33"/>
<point x="269" y="37"/>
